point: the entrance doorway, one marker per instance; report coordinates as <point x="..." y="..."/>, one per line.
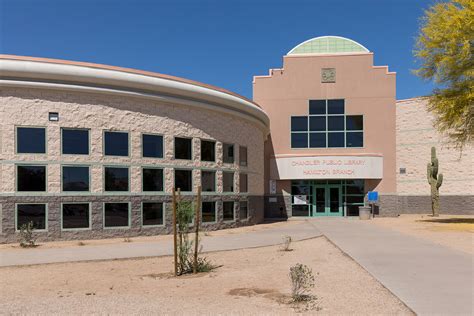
<point x="327" y="200"/>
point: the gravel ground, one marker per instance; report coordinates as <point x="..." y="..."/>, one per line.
<point x="250" y="281"/>
<point x="453" y="231"/>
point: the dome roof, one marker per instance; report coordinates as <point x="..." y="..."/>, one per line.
<point x="328" y="45"/>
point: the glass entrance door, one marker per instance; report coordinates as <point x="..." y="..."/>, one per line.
<point x="327" y="200"/>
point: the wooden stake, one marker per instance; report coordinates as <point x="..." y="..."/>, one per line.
<point x="175" y="241"/>
<point x="196" y="221"/>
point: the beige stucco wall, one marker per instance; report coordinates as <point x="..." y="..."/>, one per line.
<point x="415" y="137"/>
<point x="30" y="107"/>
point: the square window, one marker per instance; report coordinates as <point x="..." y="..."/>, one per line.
<point x="182" y="148"/>
<point x="75" y="141"/>
<point x="183" y="180"/>
<point x="336" y="106"/>
<point x="336" y="139"/>
<point x="152" y="146"/>
<point x="228" y="153"/>
<point x="317" y="123"/>
<point x="53" y="116"/>
<point x="355" y="139"/>
<point x="152" y="213"/>
<point x="116" y="179"/>
<point x="299" y="123"/>
<point x="336" y="123"/>
<point x="228" y="211"/>
<point x="116" y="143"/>
<point x="228" y="181"/>
<point x="208" y="212"/>
<point x="299" y="140"/>
<point x="76" y="216"/>
<point x="243" y="205"/>
<point x="243" y="183"/>
<point x="116" y="215"/>
<point x="152" y="179"/>
<point x="75" y="178"/>
<point x="354" y="123"/>
<point x="35" y="213"/>
<point x="31" y="178"/>
<point x="208" y="181"/>
<point x="317" y="107"/>
<point x="317" y="140"/>
<point x="208" y="150"/>
<point x="31" y="140"/>
<point x="243" y="156"/>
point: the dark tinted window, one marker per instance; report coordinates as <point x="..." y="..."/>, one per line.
<point x="317" y="106"/>
<point x="152" y="213"/>
<point x="152" y="179"/>
<point x="335" y="123"/>
<point x="335" y="106"/>
<point x="354" y="122"/>
<point x="75" y="178"/>
<point x="228" y="181"/>
<point x="228" y="211"/>
<point x="183" y="180"/>
<point x="31" y="140"/>
<point x="76" y="216"/>
<point x="299" y="123"/>
<point x="116" y="215"/>
<point x="116" y="179"/>
<point x="35" y="213"/>
<point x="182" y="148"/>
<point x="355" y="139"/>
<point x="208" y="150"/>
<point x="243" y="209"/>
<point x="152" y="146"/>
<point x="317" y="123"/>
<point x="31" y="178"/>
<point x="208" y="181"/>
<point x="243" y="156"/>
<point x="116" y="143"/>
<point x="228" y="153"/>
<point x="317" y="140"/>
<point x="243" y="182"/>
<point x="299" y="140"/>
<point x="336" y="139"/>
<point x="208" y="212"/>
<point x="75" y="142"/>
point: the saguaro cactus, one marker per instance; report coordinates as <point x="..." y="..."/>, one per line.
<point x="435" y="181"/>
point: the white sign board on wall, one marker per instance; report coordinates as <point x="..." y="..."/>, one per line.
<point x="327" y="167"/>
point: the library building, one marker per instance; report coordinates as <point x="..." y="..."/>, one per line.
<point x="94" y="151"/>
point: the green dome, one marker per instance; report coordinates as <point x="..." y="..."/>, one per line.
<point x="328" y="45"/>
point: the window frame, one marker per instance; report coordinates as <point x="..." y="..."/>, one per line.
<point x="192" y="179"/>
<point x="234" y="217"/>
<point x="246" y="156"/>
<point x="46" y="215"/>
<point x="215" y="181"/>
<point x="233" y="182"/>
<point x="240" y="214"/>
<point x="215" y="149"/>
<point x="240" y="182"/>
<point x="75" y="192"/>
<point x="32" y="126"/>
<point x="162" y="179"/>
<point x="77" y="129"/>
<point x="163" y="145"/>
<point x="174" y="148"/>
<point x="129" y="150"/>
<point x="115" y="166"/>
<point x="76" y="229"/>
<point x="215" y="213"/>
<point x="117" y="227"/>
<point x="223" y="153"/>
<point x="31" y="165"/>
<point x="163" y="214"/>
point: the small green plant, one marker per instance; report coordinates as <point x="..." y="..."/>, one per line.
<point x="302" y="281"/>
<point x="286" y="246"/>
<point x="26" y="235"/>
<point x="435" y="180"/>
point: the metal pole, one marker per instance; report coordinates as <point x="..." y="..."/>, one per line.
<point x="175" y="241"/>
<point x="196" y="221"/>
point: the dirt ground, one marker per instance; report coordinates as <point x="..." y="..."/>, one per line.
<point x="454" y="231"/>
<point x="250" y="281"/>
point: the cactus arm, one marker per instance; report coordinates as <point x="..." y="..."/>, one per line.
<point x="440" y="181"/>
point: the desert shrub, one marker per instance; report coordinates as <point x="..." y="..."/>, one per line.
<point x="302" y="281"/>
<point x="26" y="235"/>
<point x="127" y="239"/>
<point x="286" y="246"/>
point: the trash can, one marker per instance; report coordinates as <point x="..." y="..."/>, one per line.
<point x="365" y="212"/>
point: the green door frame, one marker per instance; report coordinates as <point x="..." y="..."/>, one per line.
<point x="327" y="200"/>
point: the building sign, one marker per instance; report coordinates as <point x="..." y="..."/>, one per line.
<point x="300" y="199"/>
<point x="327" y="167"/>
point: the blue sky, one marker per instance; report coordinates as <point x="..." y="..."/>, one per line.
<point x="219" y="42"/>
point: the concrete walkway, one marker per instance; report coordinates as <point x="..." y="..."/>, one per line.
<point x="429" y="278"/>
<point x="227" y="241"/>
